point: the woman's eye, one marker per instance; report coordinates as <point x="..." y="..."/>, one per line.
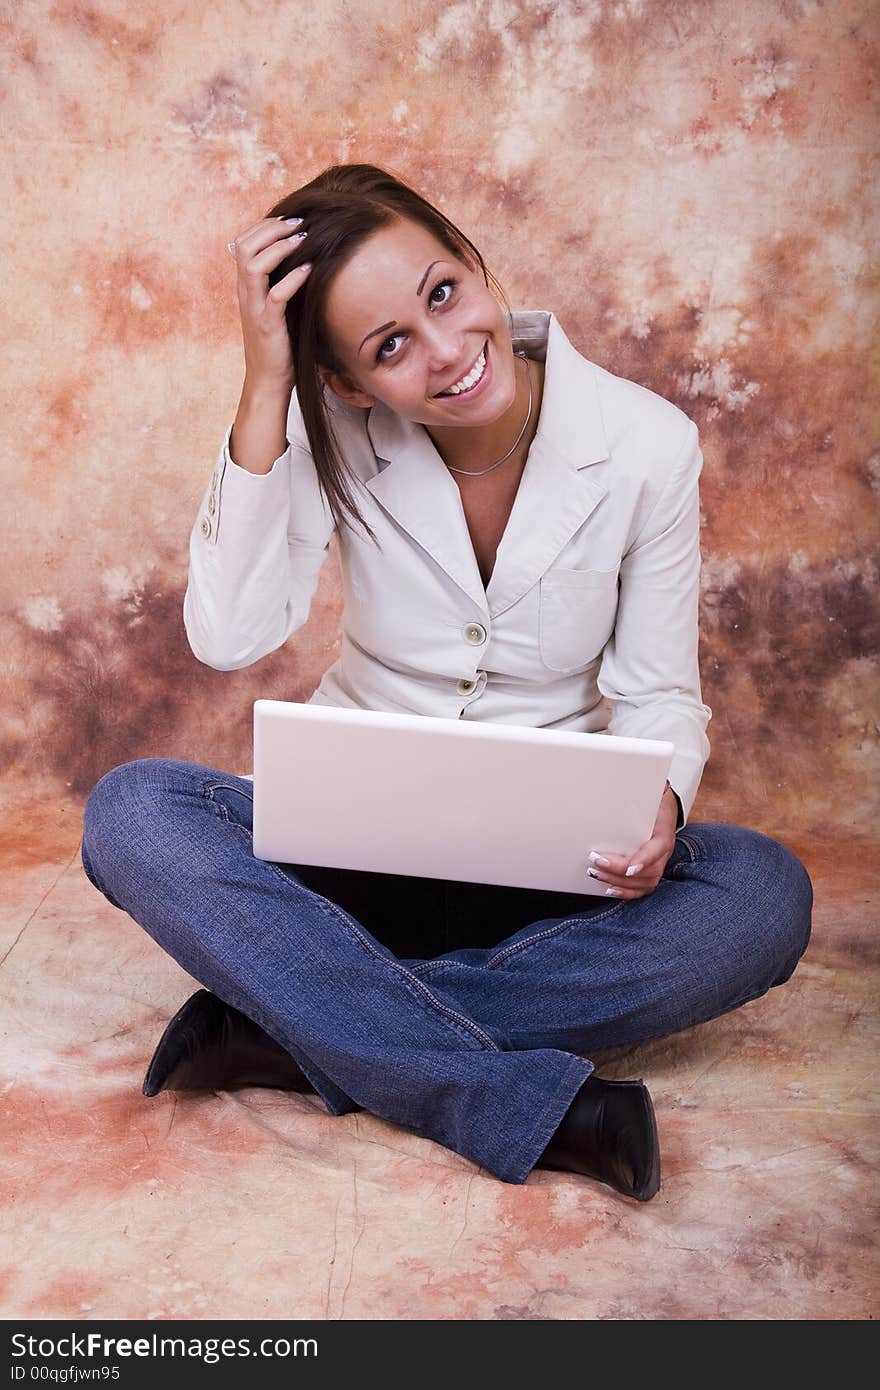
<point x="380" y="355"/>
<point x="450" y="283"/>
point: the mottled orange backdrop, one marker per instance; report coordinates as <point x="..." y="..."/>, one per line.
<point x="688" y="187"/>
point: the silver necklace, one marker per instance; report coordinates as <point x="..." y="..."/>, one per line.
<point x="478" y="472"/>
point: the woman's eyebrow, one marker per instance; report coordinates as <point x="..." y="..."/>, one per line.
<point x="393" y="323"/>
<point x="425" y="276"/>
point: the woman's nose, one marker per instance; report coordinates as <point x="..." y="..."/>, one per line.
<point x="444" y="353"/>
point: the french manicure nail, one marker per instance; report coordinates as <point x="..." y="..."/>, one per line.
<point x="634" y="869"/>
<point x="613" y="893"/>
<point x="598" y="859"/>
<point x="293" y="221"/>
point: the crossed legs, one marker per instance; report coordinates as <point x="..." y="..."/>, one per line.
<point x="479" y="1047"/>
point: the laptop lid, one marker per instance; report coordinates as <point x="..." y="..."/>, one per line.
<point x="448" y="798"/>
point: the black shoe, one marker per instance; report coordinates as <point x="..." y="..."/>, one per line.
<point x="609" y="1132"/>
<point x="210" y="1046"/>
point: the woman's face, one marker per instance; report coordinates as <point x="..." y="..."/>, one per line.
<point x="408" y="321"/>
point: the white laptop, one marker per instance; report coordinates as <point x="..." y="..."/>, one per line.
<point x="446" y="798"/>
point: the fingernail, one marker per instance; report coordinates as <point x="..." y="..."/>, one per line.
<point x="613" y="893"/>
<point x="293" y="221"/>
<point x="598" y="859"/>
<point x="634" y="869"/>
<point x="592" y="873"/>
<point x="298" y="236"/>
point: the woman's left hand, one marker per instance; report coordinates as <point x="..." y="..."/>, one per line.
<point x="646" y="865"/>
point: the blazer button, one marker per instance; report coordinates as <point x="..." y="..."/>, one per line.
<point x="475" y="633"/>
<point x="465" y="687"/>
<point x="205" y="526"/>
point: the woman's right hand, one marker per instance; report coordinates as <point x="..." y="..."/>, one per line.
<point x="267" y="352"/>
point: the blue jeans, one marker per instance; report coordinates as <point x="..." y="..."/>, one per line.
<point x="457" y="1010"/>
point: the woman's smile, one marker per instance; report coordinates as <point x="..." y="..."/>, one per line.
<point x="467" y="386"/>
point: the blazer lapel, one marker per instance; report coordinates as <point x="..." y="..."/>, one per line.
<point x="555" y="496"/>
<point x="416" y="488"/>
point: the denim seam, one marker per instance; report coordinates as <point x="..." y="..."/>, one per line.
<point x="692" y="848"/>
<point x="210" y="788"/>
<point x="540" y="1127"/>
<point x="551" y="931"/>
<point x="415" y="987"/>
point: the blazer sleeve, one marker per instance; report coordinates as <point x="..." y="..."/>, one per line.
<point x="650" y="669"/>
<point x="256" y="550"/>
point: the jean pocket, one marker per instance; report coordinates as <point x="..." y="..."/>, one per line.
<point x="236" y="803"/>
<point x="684" y="853"/>
<point x="576" y="614"/>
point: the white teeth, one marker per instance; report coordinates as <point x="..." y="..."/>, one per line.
<point x="471" y="379"/>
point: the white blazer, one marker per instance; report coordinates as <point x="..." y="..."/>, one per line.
<point x="590" y="618"/>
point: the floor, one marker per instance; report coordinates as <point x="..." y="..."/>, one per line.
<point x="258" y="1204"/>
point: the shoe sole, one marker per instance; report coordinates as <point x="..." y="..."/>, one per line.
<point x="652" y="1185"/>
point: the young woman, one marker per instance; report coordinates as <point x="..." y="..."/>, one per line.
<point x="523" y="546"/>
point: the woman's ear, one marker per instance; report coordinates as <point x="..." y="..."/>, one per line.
<point x="345" y="388"/>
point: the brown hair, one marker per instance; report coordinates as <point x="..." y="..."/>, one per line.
<point x="341" y="208"/>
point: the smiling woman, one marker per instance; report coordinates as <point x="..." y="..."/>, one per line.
<point x="375" y="244"/>
<point x="449" y="363"/>
<point x="531" y="556"/>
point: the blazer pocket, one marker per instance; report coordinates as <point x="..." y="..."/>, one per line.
<point x="576" y="614"/>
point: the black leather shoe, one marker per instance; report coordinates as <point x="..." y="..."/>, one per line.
<point x="210" y="1046"/>
<point x="609" y="1132"/>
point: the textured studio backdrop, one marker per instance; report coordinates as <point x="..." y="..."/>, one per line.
<point x="687" y="186"/>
